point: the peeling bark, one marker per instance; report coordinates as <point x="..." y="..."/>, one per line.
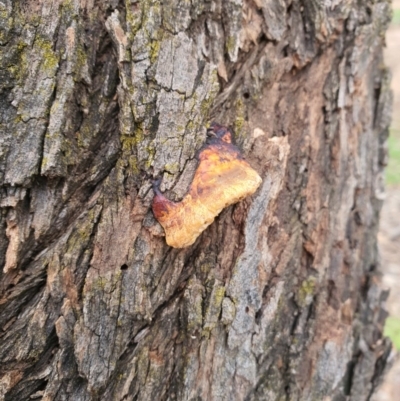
<point x="279" y="299"/>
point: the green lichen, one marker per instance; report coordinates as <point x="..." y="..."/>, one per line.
<point x="240" y="119"/>
<point x="48" y="56"/>
<point x="154" y="36"/>
<point x="306" y="291"/>
<point x="37" y="346"/>
<point x="143" y="17"/>
<point x="107" y="285"/>
<point x="206" y="267"/>
<point x="195" y="317"/>
<point x="100" y="283"/>
<point x="80" y="237"/>
<point x="213" y="309"/>
<point x="68" y="7"/>
<point x="135" y="18"/>
<point x="19" y="67"/>
<point x="172" y="167"/>
<point x="129" y="145"/>
<point x="66" y="148"/>
<point x="219" y="295"/>
<point x="191" y="126"/>
<point x="79" y="140"/>
<point x="154" y="50"/>
<point x="139" y="132"/>
<point x="45" y="161"/>
<point x="194" y="305"/>
<point x="81" y="58"/>
<point x="207" y="103"/>
<point x="143" y="364"/>
<point x="18" y="119"/>
<point x="21" y="45"/>
<point x="133" y="168"/>
<point x="3" y="11"/>
<point x="151" y="152"/>
<point x="129" y="142"/>
<point x="230" y="44"/>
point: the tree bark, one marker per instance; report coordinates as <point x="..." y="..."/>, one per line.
<point x="279" y="298"/>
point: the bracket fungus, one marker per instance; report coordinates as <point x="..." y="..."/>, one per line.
<point x="222" y="178"/>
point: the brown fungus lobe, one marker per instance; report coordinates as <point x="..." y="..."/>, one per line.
<point x="222" y="178"/>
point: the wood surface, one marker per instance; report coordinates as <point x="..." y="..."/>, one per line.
<point x="279" y="298"/>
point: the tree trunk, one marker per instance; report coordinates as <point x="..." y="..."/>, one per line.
<point x="279" y="298"/>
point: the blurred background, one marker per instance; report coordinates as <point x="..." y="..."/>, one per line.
<point x="389" y="235"/>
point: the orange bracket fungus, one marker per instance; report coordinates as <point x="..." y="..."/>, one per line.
<point x="222" y="178"/>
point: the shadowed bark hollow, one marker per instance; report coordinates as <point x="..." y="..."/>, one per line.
<point x="279" y="298"/>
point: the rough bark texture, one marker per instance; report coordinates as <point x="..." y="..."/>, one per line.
<point x="278" y="299"/>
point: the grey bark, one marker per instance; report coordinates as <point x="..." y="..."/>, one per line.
<point x="279" y="298"/>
